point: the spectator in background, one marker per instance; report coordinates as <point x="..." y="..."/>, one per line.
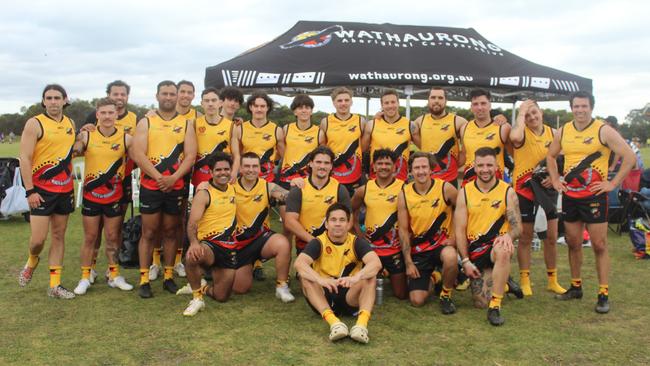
<point x="615" y="160"/>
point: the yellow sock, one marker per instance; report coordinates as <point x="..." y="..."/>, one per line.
<point x="436" y="277"/>
<point x="85" y="272"/>
<point x="576" y="282"/>
<point x="279" y="283"/>
<point x="198" y="293"/>
<point x="55" y="276"/>
<point x="495" y="302"/>
<point x="179" y="256"/>
<point x="524" y="279"/>
<point x="553" y="285"/>
<point x="113" y="271"/>
<point x="156" y="256"/>
<point x="144" y="276"/>
<point x="32" y="261"/>
<point x="258" y="264"/>
<point x="329" y="317"/>
<point x="445" y="292"/>
<point x="603" y="290"/>
<point x="169" y="273"/>
<point x="94" y="265"/>
<point x="362" y="319"/>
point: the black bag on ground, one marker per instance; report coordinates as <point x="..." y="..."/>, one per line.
<point x="128" y="253"/>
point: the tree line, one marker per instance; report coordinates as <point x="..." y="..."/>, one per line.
<point x="78" y="110"/>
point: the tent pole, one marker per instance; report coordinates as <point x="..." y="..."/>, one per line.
<point x="408" y="90"/>
<point x="514" y="113"/>
<point x="367" y="107"/>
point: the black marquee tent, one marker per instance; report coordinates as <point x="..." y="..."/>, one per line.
<point x="317" y="56"/>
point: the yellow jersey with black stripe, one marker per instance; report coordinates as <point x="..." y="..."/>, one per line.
<point x="191" y="114"/>
<point x="52" y="157"/>
<point x="344" y="138"/>
<point x="210" y="138"/>
<point x="165" y="142"/>
<point x="314" y="205"/>
<point x="299" y="144"/>
<point x="429" y="216"/>
<point x="527" y="156"/>
<point x="381" y="216"/>
<point x="104" y="166"/>
<point x="337" y="260"/>
<point x="262" y="141"/>
<point x="440" y="139"/>
<point x="395" y="136"/>
<point x="476" y="137"/>
<point x="252" y="211"/>
<point x="219" y="221"/>
<point x="585" y="158"/>
<point x="486" y="216"/>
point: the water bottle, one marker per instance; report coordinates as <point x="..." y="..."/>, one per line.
<point x="379" y="292"/>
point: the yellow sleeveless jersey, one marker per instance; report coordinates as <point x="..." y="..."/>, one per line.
<point x="486" y="216"/>
<point x="104" y="166"/>
<point x="299" y="143"/>
<point x="429" y="216"/>
<point x="475" y="138"/>
<point x="127" y="122"/>
<point x="396" y="137"/>
<point x="585" y="158"/>
<point x="528" y="155"/>
<point x="52" y="158"/>
<point x="381" y="216"/>
<point x="261" y="141"/>
<point x="252" y="211"/>
<point x="337" y="260"/>
<point x="165" y="142"/>
<point x="210" y="139"/>
<point x="344" y="138"/>
<point x="218" y="223"/>
<point x="315" y="203"/>
<point x="191" y="114"/>
<point x="439" y="138"/>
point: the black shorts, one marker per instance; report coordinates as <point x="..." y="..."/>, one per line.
<point x="484" y="260"/>
<point x="90" y="208"/>
<point x="169" y="203"/>
<point x="394" y="263"/>
<point x="590" y="210"/>
<point x="127" y="190"/>
<point x="237" y="258"/>
<point x="54" y="203"/>
<point x="337" y="303"/>
<point x="426" y="263"/>
<point x="529" y="209"/>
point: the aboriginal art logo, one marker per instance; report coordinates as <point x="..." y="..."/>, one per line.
<point x="328" y="249"/>
<point x="202" y="129"/>
<point x="312" y="39"/>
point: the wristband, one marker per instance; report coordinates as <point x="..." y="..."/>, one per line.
<point x="30" y="192"/>
<point x="465" y="260"/>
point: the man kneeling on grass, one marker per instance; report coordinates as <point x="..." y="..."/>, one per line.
<point x="333" y="280"/>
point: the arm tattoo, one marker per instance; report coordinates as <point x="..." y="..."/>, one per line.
<point x="279" y="193"/>
<point x="514" y="218"/>
<point x="193" y="231"/>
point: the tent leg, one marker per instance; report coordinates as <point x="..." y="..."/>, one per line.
<point x="367" y="107"/>
<point x="408" y="107"/>
<point x="514" y="113"/>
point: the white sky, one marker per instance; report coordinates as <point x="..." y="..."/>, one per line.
<point x="83" y="45"/>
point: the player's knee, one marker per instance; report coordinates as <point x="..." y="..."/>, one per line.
<point x="112" y="237"/>
<point x="417" y="301"/>
<point x="449" y="255"/>
<point x="501" y="255"/>
<point x="149" y="234"/>
<point x="599" y="246"/>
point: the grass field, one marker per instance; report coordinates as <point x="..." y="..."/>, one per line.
<point x="108" y="326"/>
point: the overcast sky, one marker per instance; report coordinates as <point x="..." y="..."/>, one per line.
<point x="83" y="45"/>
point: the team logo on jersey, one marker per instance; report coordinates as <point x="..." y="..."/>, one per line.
<point x="445" y="127"/>
<point x="221" y="133"/>
<point x="352" y="128"/>
<point x="266" y="137"/>
<point x="490" y="136"/>
<point x="435" y="202"/>
<point x="127" y="129"/>
<point x="312" y="39"/>
<point x="329" y="200"/>
<point x="400" y="131"/>
<point x="547" y="144"/>
<point x="328" y="249"/>
<point x="177" y="129"/>
<point x="257" y="198"/>
<point x="496" y="204"/>
<point x="68" y="131"/>
<point x="115" y="147"/>
<point x="232" y="200"/>
<point x="202" y="129"/>
<point x="588" y="140"/>
<point x="309" y="139"/>
<point x="391" y="198"/>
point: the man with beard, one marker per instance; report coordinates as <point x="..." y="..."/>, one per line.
<point x="424" y="209"/>
<point x="439" y="135"/>
<point x="306" y="207"/>
<point x="46" y="168"/>
<point x="379" y="196"/>
<point x="587" y="144"/>
<point x="390" y="131"/>
<point x="487" y="221"/>
<point x="164" y="148"/>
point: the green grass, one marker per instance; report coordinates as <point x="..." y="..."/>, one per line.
<point x="8" y="150"/>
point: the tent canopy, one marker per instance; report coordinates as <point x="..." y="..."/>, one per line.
<point x="314" y="57"/>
